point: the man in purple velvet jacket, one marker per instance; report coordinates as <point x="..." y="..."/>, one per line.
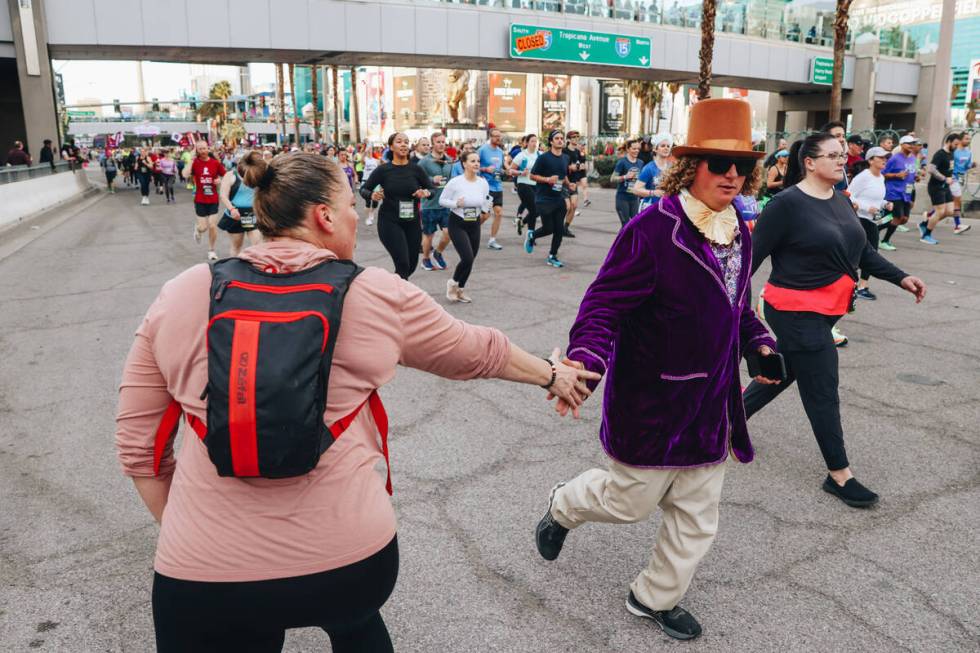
<point x="667" y="321"/>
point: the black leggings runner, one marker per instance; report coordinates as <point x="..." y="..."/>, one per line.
<point x="402" y="239"/>
<point x="805" y="341"/>
<point x="198" y="617"/>
<point x="871" y="231"/>
<point x="144" y="180"/>
<point x="552" y="224"/>
<point x="466" y="239"/>
<point x="526" y="193"/>
<point x="627" y="207"/>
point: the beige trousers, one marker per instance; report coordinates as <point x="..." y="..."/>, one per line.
<point x="624" y="495"/>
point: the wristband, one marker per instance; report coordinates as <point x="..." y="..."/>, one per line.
<point x="554" y="373"/>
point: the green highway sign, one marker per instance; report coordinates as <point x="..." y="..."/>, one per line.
<point x="77" y="113"/>
<point x="556" y="44"/>
<point x="822" y="71"/>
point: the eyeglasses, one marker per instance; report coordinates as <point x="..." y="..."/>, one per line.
<point x="720" y="165"/>
<point x="832" y="157"/>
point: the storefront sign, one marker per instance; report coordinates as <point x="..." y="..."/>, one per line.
<point x="612" y="107"/>
<point x="406" y="102"/>
<point x="554" y="101"/>
<point x="508" y="101"/>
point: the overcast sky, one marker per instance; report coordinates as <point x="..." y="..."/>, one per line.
<point x="109" y="80"/>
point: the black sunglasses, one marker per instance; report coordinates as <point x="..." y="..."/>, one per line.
<point x="720" y="165"/>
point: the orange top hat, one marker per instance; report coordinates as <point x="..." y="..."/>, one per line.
<point x="720" y="126"/>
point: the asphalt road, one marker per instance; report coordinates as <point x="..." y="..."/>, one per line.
<point x="792" y="569"/>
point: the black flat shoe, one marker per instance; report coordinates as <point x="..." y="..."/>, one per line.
<point x="852" y="493"/>
<point x="550" y="535"/>
<point x="676" y="622"/>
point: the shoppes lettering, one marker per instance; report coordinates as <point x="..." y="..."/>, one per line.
<point x="554" y="44"/>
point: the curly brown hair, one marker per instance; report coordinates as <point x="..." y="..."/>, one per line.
<point x="681" y="176"/>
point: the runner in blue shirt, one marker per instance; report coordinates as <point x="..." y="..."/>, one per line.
<point x="899" y="173"/>
<point x="646" y="184"/>
<point x="492" y="168"/>
<point x="962" y="163"/>
<point x="624" y="175"/>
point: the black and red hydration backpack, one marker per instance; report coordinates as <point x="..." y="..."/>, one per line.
<point x="270" y="342"/>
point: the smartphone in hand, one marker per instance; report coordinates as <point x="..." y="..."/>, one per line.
<point x="772" y="367"/>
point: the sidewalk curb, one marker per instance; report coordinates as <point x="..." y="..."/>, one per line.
<point x="14" y="237"/>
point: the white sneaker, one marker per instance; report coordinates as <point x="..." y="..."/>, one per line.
<point x="493" y="244"/>
<point x="369" y="221"/>
<point x="145" y="201"/>
<point x="452" y="290"/>
<point x="197" y="235"/>
<point x="212" y="255"/>
<point x="461" y="296"/>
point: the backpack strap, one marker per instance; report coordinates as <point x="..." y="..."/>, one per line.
<point x="171" y="420"/>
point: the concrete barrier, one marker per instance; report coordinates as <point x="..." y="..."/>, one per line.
<point x="21" y="200"/>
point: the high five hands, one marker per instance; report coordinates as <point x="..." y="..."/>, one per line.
<point x="570" y="384"/>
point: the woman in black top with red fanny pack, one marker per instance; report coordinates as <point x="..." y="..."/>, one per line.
<point x="817" y="244"/>
<point x="402" y="184"/>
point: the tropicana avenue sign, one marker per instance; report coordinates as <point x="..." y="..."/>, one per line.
<point x="570" y="45"/>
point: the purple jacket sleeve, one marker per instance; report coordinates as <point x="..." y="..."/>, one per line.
<point x="625" y="281"/>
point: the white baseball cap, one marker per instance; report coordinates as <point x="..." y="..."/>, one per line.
<point x="906" y="140"/>
<point x="876" y="151"/>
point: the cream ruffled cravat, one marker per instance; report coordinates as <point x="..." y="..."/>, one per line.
<point x="719" y="227"/>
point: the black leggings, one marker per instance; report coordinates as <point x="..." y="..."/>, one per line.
<point x="192" y="617"/>
<point x="168" y="186"/>
<point x="871" y="231"/>
<point x="552" y="224"/>
<point x="466" y="239"/>
<point x="144" y="180"/>
<point x="402" y="239"/>
<point x="627" y="207"/>
<point x="805" y="341"/>
<point x="526" y="193"/>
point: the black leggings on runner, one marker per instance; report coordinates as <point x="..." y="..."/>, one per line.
<point x="199" y="617"/>
<point x="805" y="341"/>
<point x="526" y="193"/>
<point x="552" y="224"/>
<point x="871" y="231"/>
<point x="466" y="239"/>
<point x="627" y="207"/>
<point x="144" y="180"/>
<point x="168" y="186"/>
<point x="402" y="239"/>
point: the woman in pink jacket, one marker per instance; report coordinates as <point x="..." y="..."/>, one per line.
<point x="240" y="560"/>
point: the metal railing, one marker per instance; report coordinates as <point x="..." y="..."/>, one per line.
<point x="11" y="174"/>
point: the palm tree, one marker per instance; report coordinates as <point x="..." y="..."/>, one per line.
<point x="707" y="48"/>
<point x="216" y="106"/>
<point x="292" y="93"/>
<point x="336" y="106"/>
<point x="840" y="39"/>
<point x="355" y="124"/>
<point x="648" y="94"/>
<point x="313" y="89"/>
<point x="281" y="103"/>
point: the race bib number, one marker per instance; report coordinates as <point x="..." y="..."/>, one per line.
<point x="496" y="174"/>
<point x="909" y="188"/>
<point x="207" y="190"/>
<point x="629" y="185"/>
<point x="406" y="210"/>
<point x="558" y="187"/>
<point x="248" y="219"/>
<point x="470" y="214"/>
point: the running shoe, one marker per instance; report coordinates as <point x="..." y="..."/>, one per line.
<point x="840" y="340"/>
<point x="903" y="228"/>
<point x="212" y="255"/>
<point x="493" y="244"/>
<point x="549" y="535"/>
<point x="369" y="221"/>
<point x="885" y="219"/>
<point x="578" y="213"/>
<point x="440" y="262"/>
<point x="145" y="201"/>
<point x="852" y="493"/>
<point x="887" y="246"/>
<point x="587" y="203"/>
<point x="554" y="262"/>
<point x="961" y="229"/>
<point x="676" y="622"/>
<point x="452" y="290"/>
<point x="923" y="228"/>
<point x="864" y="293"/>
<point x="928" y="240"/>
<point x="197" y="235"/>
<point x="427" y="265"/>
<point x="529" y="241"/>
<point x="568" y="232"/>
<point x="462" y="297"/>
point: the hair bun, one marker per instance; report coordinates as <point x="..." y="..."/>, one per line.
<point x="267" y="177"/>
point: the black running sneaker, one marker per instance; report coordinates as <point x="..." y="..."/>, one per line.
<point x="676" y="622"/>
<point x="550" y="535"/>
<point x="852" y="493"/>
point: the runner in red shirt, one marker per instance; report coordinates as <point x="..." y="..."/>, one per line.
<point x="207" y="172"/>
<point x="157" y="178"/>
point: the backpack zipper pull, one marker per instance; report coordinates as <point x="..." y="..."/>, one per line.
<point x="219" y="293"/>
<point x="204" y="395"/>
